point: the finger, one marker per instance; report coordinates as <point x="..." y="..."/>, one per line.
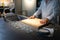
<point x="42" y="22"/>
<point x="30" y="17"/>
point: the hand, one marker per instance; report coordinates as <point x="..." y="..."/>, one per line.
<point x="32" y="17"/>
<point x="45" y="21"/>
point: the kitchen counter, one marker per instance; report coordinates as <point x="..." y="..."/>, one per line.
<point x="8" y="34"/>
<point x="15" y="33"/>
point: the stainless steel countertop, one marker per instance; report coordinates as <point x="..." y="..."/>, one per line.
<point x="7" y="34"/>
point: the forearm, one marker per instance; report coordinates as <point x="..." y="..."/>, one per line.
<point x="38" y="12"/>
<point x="50" y="17"/>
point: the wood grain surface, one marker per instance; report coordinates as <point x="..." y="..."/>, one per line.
<point x="33" y="22"/>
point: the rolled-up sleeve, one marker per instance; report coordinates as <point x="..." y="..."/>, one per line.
<point x="38" y="12"/>
<point x="51" y="13"/>
<point x="51" y="16"/>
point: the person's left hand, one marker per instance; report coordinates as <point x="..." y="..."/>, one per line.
<point x="44" y="21"/>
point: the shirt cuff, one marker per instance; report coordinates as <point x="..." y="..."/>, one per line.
<point x="49" y="18"/>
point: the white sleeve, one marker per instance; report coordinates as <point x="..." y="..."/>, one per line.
<point x="52" y="14"/>
<point x="38" y="12"/>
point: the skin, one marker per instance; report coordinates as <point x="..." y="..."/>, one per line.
<point x="43" y="21"/>
<point x="32" y="17"/>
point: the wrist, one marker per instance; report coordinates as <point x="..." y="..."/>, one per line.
<point x="34" y="16"/>
<point x="47" y="20"/>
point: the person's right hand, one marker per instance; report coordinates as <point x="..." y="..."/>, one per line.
<point x="32" y="17"/>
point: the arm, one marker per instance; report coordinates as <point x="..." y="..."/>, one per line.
<point x="51" y="14"/>
<point x="54" y="10"/>
<point x="50" y="17"/>
<point x="38" y="12"/>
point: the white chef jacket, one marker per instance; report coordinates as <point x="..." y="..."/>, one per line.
<point x="48" y="10"/>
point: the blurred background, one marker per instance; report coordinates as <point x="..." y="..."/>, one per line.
<point x="22" y="8"/>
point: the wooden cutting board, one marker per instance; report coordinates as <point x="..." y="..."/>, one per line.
<point x="33" y="22"/>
